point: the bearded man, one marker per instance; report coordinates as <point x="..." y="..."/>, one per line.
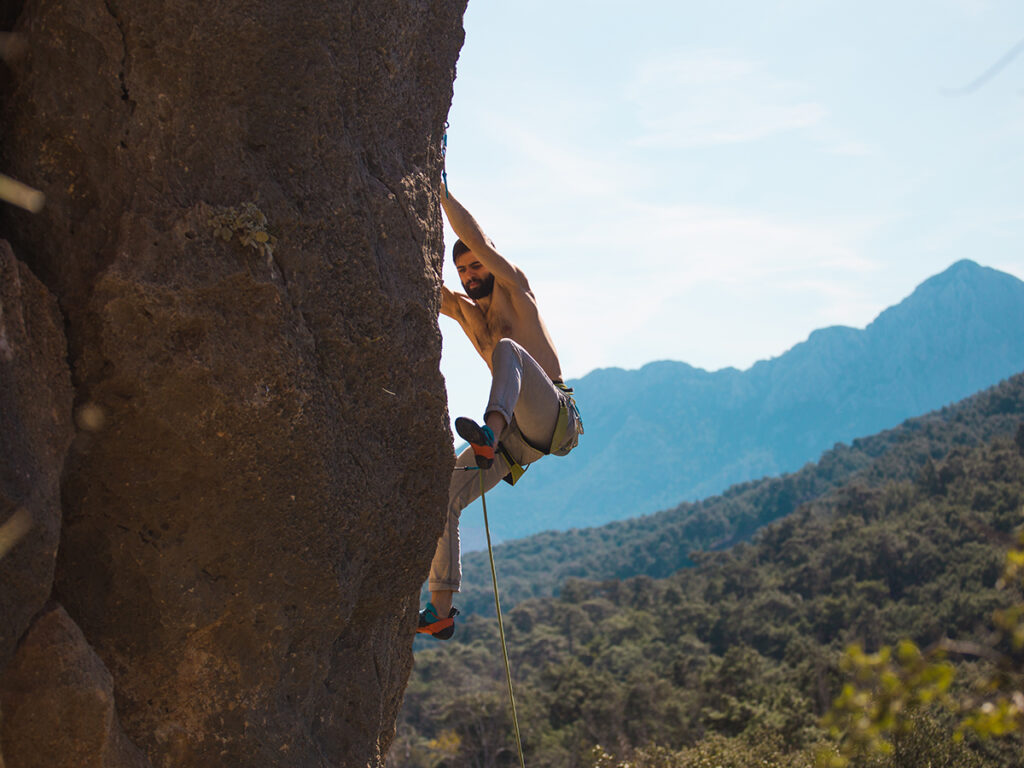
<point x="530" y="412"/>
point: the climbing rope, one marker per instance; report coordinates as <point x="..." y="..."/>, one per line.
<point x="501" y="628"/>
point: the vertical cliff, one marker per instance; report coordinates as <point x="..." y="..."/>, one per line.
<point x="243" y="235"/>
<point x="35" y="431"/>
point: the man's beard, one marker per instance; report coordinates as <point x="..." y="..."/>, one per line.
<point x="481" y="290"/>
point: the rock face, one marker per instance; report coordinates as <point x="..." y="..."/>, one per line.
<point x="242" y="229"/>
<point x="35" y="430"/>
<point x="58" y="703"/>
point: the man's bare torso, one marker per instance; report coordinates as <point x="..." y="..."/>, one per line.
<point x="509" y="313"/>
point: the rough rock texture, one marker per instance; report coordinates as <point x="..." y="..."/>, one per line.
<point x="242" y="229"/>
<point x="35" y="430"/>
<point x="58" y="703"/>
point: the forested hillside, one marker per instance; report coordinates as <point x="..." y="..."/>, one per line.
<point x="670" y="432"/>
<point x="658" y="545"/>
<point x="737" y="656"/>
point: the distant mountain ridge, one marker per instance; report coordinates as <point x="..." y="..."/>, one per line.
<point x="670" y="432"/>
<point x="660" y="544"/>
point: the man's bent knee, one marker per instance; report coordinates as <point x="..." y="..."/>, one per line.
<point x="506" y="346"/>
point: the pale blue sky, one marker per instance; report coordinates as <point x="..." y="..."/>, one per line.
<point x="710" y="182"/>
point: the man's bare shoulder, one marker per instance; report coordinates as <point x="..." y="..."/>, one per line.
<point x="522" y="298"/>
<point x="520" y="281"/>
<point x="455" y="304"/>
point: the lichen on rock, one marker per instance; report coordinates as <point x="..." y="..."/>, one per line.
<point x="246" y="222"/>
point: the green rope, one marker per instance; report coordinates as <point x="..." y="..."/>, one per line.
<point x="501" y="628"/>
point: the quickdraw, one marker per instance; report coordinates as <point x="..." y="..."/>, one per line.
<point x="444" y="152"/>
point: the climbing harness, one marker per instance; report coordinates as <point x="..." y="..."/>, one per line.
<point x="497" y="610"/>
<point x="568" y="416"/>
<point x="515" y="469"/>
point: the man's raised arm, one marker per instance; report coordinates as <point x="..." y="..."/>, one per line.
<point x="470" y="233"/>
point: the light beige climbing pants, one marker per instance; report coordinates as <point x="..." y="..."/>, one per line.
<point x="530" y="403"/>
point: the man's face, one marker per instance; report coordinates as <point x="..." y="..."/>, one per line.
<point x="478" y="282"/>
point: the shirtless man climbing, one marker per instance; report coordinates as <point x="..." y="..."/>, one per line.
<point x="529" y="409"/>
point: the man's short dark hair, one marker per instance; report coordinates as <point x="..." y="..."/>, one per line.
<point x="458" y="249"/>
